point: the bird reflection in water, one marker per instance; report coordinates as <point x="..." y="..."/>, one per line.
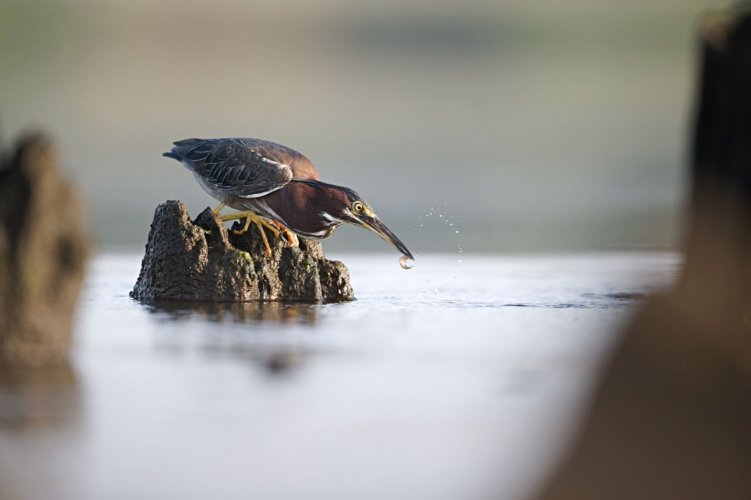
<point x="276" y="358"/>
<point x="239" y="312"/>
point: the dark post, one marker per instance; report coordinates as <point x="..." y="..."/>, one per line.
<point x="671" y="416"/>
<point x="722" y="138"/>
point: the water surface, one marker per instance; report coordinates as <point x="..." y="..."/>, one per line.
<point x="450" y="380"/>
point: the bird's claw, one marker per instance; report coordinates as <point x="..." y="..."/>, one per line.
<point x="291" y="238"/>
<point x="263" y="237"/>
<point x="245" y="228"/>
<point x="288" y="235"/>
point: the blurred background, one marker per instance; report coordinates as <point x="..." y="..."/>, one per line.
<point x="535" y="126"/>
<point x="527" y="126"/>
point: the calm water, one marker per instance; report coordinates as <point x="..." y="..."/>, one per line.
<point x="451" y="380"/>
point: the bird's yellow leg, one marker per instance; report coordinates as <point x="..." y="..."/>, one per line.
<point x="233" y="216"/>
<point x="219" y="208"/>
<point x="263" y="235"/>
<point x="289" y="235"/>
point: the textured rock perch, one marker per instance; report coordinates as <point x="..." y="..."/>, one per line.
<point x="201" y="261"/>
<point x="44" y="244"/>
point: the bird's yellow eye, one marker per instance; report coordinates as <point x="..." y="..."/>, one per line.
<point x="358" y="207"/>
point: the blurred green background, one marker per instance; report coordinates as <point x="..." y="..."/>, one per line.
<point x="535" y="126"/>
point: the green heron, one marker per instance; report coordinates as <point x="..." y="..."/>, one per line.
<point x="277" y="188"/>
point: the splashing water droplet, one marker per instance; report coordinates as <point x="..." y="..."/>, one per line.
<point x="406" y="262"/>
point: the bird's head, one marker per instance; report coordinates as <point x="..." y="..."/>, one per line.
<point x="341" y="204"/>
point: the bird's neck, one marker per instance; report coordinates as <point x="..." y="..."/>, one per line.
<point x="303" y="206"/>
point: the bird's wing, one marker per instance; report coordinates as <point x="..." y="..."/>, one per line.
<point x="302" y="167"/>
<point x="238" y="166"/>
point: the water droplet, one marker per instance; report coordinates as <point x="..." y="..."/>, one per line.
<point x="406" y="262"/>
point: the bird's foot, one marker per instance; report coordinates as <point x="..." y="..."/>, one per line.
<point x="260" y="222"/>
<point x="250" y="217"/>
<point x="288" y="235"/>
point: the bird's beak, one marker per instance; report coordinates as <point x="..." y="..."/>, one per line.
<point x="374" y="224"/>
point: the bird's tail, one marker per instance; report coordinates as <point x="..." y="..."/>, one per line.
<point x="182" y="148"/>
<point x="171" y="154"/>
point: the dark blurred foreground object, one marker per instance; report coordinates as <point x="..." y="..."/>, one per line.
<point x="672" y="416"/>
<point x="44" y="245"/>
<point x="201" y="261"/>
<point x="39" y="398"/>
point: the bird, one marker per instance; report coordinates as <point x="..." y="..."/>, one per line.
<point x="276" y="188"/>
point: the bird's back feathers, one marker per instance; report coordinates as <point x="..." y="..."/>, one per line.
<point x="242" y="167"/>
